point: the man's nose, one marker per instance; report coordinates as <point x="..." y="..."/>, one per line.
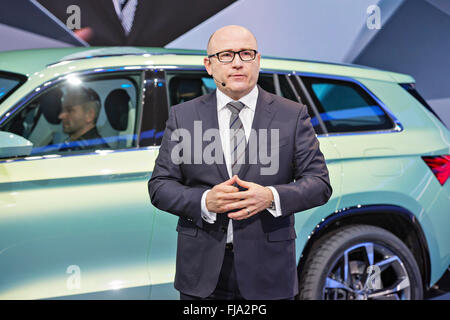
<point x="62" y="115"/>
<point x="237" y="62"/>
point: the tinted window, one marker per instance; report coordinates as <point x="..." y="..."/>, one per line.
<point x="286" y="88"/>
<point x="346" y="107"/>
<point x="265" y="81"/>
<point x="82" y="116"/>
<point x="187" y="86"/>
<point x="155" y="111"/>
<point x="8" y="83"/>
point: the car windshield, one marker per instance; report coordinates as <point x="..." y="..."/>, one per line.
<point x="9" y="82"/>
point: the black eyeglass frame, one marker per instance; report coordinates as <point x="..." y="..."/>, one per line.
<point x="234" y="55"/>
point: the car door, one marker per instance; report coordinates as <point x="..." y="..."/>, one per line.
<point x="290" y="87"/>
<point x="76" y="222"/>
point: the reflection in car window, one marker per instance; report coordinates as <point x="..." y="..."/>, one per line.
<point x="185" y="86"/>
<point x="93" y="114"/>
<point x="286" y="90"/>
<point x="8" y="83"/>
<point x="345" y="107"/>
<point x="265" y="81"/>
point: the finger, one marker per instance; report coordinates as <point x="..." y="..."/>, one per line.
<point x="228" y="189"/>
<point x="238" y="195"/>
<point x="242" y="214"/>
<point x="222" y="207"/>
<point x="237" y="205"/>
<point x="243" y="183"/>
<point x="230" y="181"/>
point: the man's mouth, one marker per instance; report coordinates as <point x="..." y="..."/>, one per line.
<point x="237" y="76"/>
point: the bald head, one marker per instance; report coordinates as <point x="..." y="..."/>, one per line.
<point x="238" y="76"/>
<point x="229" y="33"/>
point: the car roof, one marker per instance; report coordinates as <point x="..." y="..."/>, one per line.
<point x="27" y="62"/>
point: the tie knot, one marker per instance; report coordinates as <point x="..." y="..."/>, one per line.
<point x="235" y="106"/>
<point x="123" y="3"/>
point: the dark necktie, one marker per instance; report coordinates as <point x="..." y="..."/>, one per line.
<point x="237" y="137"/>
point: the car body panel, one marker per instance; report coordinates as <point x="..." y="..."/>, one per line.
<point x="96" y="217"/>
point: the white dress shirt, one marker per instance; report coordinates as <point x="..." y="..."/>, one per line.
<point x="246" y="115"/>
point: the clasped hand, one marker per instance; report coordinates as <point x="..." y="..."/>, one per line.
<point x="225" y="197"/>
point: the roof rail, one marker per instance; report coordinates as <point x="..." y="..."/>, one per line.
<point x="122" y="51"/>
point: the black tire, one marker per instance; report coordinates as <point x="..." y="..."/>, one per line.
<point x="326" y="275"/>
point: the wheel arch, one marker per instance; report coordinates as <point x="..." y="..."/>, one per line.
<point x="395" y="219"/>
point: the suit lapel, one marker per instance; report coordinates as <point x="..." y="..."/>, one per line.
<point x="141" y="17"/>
<point x="207" y="111"/>
<point x="264" y="113"/>
<point x="108" y="12"/>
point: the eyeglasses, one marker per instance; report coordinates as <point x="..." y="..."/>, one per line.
<point x="228" y="56"/>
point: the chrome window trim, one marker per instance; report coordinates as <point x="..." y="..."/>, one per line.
<point x="90" y="153"/>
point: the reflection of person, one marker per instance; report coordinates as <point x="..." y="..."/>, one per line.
<point x="135" y="22"/>
<point x="80" y="110"/>
<point x="239" y="244"/>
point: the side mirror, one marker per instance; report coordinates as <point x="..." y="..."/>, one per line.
<point x="12" y="145"/>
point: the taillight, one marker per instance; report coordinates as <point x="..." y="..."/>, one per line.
<point x="440" y="165"/>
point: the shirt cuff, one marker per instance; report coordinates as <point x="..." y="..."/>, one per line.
<point x="209" y="217"/>
<point x="276" y="197"/>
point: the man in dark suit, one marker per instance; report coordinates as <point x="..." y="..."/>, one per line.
<point x="236" y="236"/>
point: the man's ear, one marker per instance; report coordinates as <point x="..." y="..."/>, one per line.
<point x="90" y="116"/>
<point x="207" y="64"/>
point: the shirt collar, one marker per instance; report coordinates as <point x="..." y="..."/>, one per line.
<point x="249" y="100"/>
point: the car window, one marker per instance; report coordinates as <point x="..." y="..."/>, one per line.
<point x="80" y="115"/>
<point x="185" y="86"/>
<point x="8" y="83"/>
<point x="346" y="107"/>
<point x="286" y="88"/>
<point x="265" y="81"/>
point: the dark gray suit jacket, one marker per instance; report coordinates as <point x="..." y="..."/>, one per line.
<point x="264" y="246"/>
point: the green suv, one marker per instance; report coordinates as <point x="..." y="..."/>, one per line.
<point x="76" y="222"/>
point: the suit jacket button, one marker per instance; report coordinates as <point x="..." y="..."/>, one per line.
<point x="224" y="230"/>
